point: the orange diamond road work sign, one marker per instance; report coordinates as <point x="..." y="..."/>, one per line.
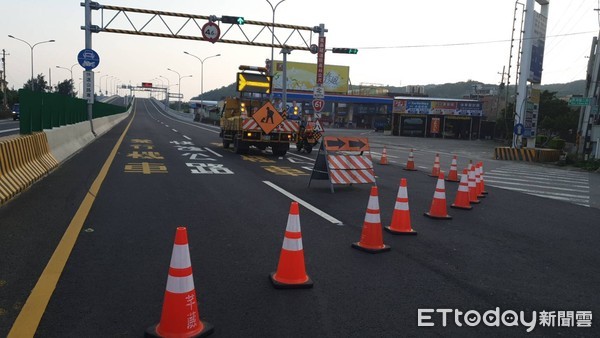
<point x="267" y="117"/>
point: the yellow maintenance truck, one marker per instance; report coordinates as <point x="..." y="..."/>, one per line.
<point x="251" y="120"/>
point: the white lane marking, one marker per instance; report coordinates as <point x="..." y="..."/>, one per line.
<point x="187" y="138"/>
<point x="175" y="130"/>
<point x="521" y="184"/>
<point x="8" y="130"/>
<point x="305" y="204"/>
<point x="203" y="127"/>
<point x="212" y="151"/>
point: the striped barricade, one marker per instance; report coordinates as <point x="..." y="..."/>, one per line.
<point x="344" y="160"/>
<point x="23" y="160"/>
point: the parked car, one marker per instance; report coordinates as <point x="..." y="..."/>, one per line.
<point x="16" y="112"/>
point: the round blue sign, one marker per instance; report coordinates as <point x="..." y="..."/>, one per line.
<point x="88" y="59"/>
<point x="519" y="128"/>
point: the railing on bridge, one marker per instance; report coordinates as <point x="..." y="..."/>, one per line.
<point x="41" y="111"/>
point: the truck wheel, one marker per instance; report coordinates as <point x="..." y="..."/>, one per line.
<point x="278" y="150"/>
<point x="238" y="147"/>
<point x="308" y="148"/>
<point x="299" y="147"/>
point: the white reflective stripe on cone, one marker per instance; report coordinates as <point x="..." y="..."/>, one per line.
<point x="439" y="195"/>
<point x="373" y="203"/>
<point x="440" y="185"/>
<point x="180" y="284"/>
<point x="463" y="188"/>
<point x="293" y="223"/>
<point x="372" y="218"/>
<point x="180" y="258"/>
<point x="292" y="244"/>
<point x="401" y="206"/>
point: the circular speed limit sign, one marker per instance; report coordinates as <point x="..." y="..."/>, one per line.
<point x="211" y="32"/>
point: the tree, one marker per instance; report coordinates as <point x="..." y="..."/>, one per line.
<point x="556" y="118"/>
<point x="66" y="88"/>
<point x="39" y="84"/>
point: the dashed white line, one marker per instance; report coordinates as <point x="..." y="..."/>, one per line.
<point x="187" y="138"/>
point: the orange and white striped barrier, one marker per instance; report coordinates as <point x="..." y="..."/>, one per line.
<point x="472" y="186"/>
<point x="438" y="208"/>
<point x="410" y="164"/>
<point x="371" y="238"/>
<point x="453" y="174"/>
<point x="462" y="196"/>
<point x="291" y="270"/>
<point x="180" y="316"/>
<point x="384" y="159"/>
<point x="345" y="169"/>
<point x="400" y="224"/>
<point x="435" y="171"/>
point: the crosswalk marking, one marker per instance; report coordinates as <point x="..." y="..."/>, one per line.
<point x="558" y="184"/>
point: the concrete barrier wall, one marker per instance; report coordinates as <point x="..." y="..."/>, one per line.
<point x="26" y="159"/>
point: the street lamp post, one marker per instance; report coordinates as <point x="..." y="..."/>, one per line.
<point x="271" y="69"/>
<point x="179" y="88"/>
<point x="101" y="82"/>
<point x="202" y="75"/>
<point x="168" y="89"/>
<point x="69" y="69"/>
<point x="31" y="47"/>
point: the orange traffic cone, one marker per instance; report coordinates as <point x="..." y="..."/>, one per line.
<point x="401" y="217"/>
<point x="472" y="186"/>
<point x="438" y="208"/>
<point x="482" y="180"/>
<point x="462" y="196"/>
<point x="291" y="271"/>
<point x="180" y="316"/>
<point x="410" y="164"/>
<point x="435" y="171"/>
<point x="478" y="181"/>
<point x="453" y="174"/>
<point x="384" y="159"/>
<point x="371" y="239"/>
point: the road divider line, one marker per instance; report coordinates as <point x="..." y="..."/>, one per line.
<point x="8" y="130"/>
<point x="31" y="314"/>
<point x="187" y="138"/>
<point x="305" y="204"/>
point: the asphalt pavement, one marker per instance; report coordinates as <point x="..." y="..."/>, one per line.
<point x="513" y="252"/>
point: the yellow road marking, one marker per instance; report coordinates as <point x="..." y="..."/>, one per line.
<point x="29" y="318"/>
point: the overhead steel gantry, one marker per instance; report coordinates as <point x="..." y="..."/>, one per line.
<point x="111" y="23"/>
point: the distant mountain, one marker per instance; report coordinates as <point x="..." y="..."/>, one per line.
<point x="447" y="90"/>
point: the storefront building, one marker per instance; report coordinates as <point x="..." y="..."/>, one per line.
<point x="433" y="117"/>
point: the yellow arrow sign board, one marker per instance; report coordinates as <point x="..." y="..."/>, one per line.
<point x="255" y="83"/>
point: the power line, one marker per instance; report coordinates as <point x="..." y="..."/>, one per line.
<point x="468" y="43"/>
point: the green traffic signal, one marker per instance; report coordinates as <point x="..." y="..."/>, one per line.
<point x="345" y="50"/>
<point x="233" y="19"/>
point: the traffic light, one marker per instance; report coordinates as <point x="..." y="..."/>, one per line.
<point x="233" y="19"/>
<point x="345" y="50"/>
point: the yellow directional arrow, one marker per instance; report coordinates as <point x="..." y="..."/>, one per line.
<point x="243" y="82"/>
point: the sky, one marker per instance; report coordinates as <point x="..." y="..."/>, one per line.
<point x="400" y="42"/>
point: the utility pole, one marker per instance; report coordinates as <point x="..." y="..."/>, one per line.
<point x="584" y="127"/>
<point x="3" y="80"/>
<point x="88" y="45"/>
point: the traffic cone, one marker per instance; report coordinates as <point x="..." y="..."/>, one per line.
<point x="462" y="196"/>
<point x="291" y="271"/>
<point x="384" y="159"/>
<point x="482" y="180"/>
<point x="371" y="238"/>
<point x="410" y="164"/>
<point x="400" y="224"/>
<point x="180" y="316"/>
<point x="438" y="208"/>
<point x="435" y="171"/>
<point x="453" y="174"/>
<point x="472" y="186"/>
<point x="478" y="181"/>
